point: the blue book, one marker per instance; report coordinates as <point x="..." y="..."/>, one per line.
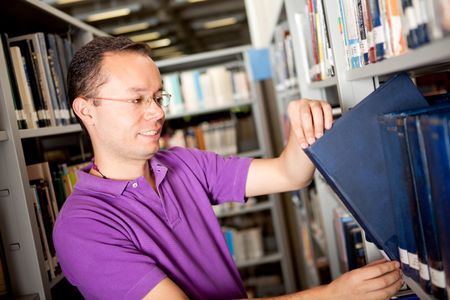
<point x="350" y="157"/>
<point x="421" y="183"/>
<point x="377" y="29"/>
<point x="398" y="195"/>
<point x="412" y="38"/>
<point x="436" y="134"/>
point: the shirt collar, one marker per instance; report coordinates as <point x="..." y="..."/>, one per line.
<point x="111" y="187"/>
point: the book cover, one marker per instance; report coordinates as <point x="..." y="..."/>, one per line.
<point x="22" y="121"/>
<point x="436" y="135"/>
<point x="350" y="157"/>
<point x="422" y="188"/>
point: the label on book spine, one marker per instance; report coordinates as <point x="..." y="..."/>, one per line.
<point x="378" y="34"/>
<point x="424" y="273"/>
<point x="411" y="17"/>
<point x="403" y="256"/>
<point x="438" y="278"/>
<point x="413" y="261"/>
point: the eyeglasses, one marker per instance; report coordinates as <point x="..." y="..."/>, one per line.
<point x="160" y="98"/>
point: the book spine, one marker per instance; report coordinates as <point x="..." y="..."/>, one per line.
<point x="22" y="121"/>
<point x="362" y="32"/>
<point x="435" y="134"/>
<point x="416" y="251"/>
<point x="352" y="32"/>
<point x="377" y="28"/>
<point x="368" y="24"/>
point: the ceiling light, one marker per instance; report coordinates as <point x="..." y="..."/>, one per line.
<point x="108" y="14"/>
<point x="165" y="51"/>
<point x="62" y="2"/>
<point x="145" y="36"/>
<point x="159" y="43"/>
<point x="131" y="28"/>
<point x="195" y="1"/>
<point x="220" y="23"/>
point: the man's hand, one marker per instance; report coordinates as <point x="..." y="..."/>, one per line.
<point x="376" y="281"/>
<point x="309" y="119"/>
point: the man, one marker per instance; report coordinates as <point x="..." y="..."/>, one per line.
<point x="139" y="223"/>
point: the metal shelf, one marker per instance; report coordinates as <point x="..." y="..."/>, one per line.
<point x="245" y="209"/>
<point x="332" y="81"/>
<point x="56" y="280"/>
<point x="253" y="153"/>
<point x="271" y="258"/>
<point x="46" y="131"/>
<point x="209" y="110"/>
<point x="39" y="16"/>
<point x="201" y="57"/>
<point x="3" y="136"/>
<point x="417" y="289"/>
<point x="433" y="53"/>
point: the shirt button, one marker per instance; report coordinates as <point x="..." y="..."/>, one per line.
<point x="135" y="185"/>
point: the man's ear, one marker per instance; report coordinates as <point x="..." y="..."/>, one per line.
<point x="83" y="109"/>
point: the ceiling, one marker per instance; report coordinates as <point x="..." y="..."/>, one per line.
<point x="172" y="27"/>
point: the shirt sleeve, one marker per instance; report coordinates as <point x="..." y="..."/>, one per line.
<point x="225" y="177"/>
<point x="101" y="262"/>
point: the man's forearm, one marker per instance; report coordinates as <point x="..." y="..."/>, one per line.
<point x="296" y="164"/>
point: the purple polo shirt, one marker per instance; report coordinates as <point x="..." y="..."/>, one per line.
<point x="118" y="239"/>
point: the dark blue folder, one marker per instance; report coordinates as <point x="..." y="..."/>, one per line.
<point x="350" y="157"/>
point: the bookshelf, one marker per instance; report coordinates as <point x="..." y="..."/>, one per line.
<point x="349" y="87"/>
<point x="313" y="239"/>
<point x="23" y="251"/>
<point x="3" y="136"/>
<point x="252" y="108"/>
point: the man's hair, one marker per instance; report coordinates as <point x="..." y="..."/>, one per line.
<point x="84" y="74"/>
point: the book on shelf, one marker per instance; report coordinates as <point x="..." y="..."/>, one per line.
<point x="282" y="58"/>
<point x="40" y="66"/>
<point x="198" y="89"/>
<point x="244" y="244"/>
<point x="436" y="129"/>
<point x="349" y="241"/>
<point x="316" y="48"/>
<point x="356" y="134"/>
<point x="373" y="30"/>
<point x="218" y="136"/>
<point x="4" y="276"/>
<point x="385" y="194"/>
<point x="22" y="121"/>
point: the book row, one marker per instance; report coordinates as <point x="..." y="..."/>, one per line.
<point x="244" y="244"/>
<point x="313" y="32"/>
<point x="49" y="191"/>
<point x="212" y="87"/>
<point x="419" y="143"/>
<point x="282" y="58"/>
<point x="37" y="67"/>
<point x="373" y="30"/>
<point x="349" y="240"/>
<point x="218" y="136"/>
<point x="392" y="175"/>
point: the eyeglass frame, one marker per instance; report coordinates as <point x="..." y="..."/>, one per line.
<point x="139" y="100"/>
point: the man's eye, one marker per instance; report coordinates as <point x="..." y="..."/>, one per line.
<point x="138" y="100"/>
<point x="159" y="99"/>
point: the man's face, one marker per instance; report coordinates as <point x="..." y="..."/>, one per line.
<point x="125" y="130"/>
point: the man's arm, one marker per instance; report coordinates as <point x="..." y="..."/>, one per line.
<point x="166" y="289"/>
<point x="377" y="281"/>
<point x="292" y="169"/>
